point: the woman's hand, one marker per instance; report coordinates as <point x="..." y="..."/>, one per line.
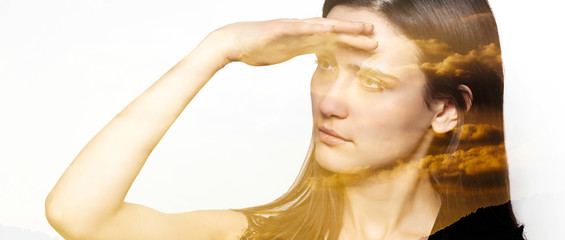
<point x="275" y="41"/>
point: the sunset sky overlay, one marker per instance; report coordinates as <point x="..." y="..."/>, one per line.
<point x="69" y="67"/>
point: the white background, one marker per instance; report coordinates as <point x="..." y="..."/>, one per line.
<point x="68" y="67"/>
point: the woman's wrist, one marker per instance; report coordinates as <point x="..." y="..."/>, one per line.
<point x="214" y="50"/>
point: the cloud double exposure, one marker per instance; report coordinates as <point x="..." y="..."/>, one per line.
<point x="482" y="133"/>
<point x="482" y="162"/>
<point x="444" y="62"/>
<point x="474" y="161"/>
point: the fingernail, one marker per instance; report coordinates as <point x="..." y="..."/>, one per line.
<point x="373" y="44"/>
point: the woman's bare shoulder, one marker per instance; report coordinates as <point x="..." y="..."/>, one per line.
<point x="139" y="222"/>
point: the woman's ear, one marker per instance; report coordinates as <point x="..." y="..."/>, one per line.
<point x="446" y="114"/>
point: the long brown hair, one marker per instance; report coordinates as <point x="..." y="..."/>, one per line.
<point x="459" y="45"/>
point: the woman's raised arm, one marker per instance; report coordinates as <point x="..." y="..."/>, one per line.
<point x="88" y="200"/>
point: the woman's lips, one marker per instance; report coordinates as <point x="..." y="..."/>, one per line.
<point x="330" y="137"/>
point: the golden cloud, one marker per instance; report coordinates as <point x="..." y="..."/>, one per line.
<point x="481" y="133"/>
<point x="456" y="64"/>
<point x="474" y="161"/>
<point x="434" y="48"/>
<point x="472" y="135"/>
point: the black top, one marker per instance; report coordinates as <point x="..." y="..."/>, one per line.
<point x="490" y="223"/>
<point x="495" y="222"/>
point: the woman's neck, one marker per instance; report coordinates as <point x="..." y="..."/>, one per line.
<point x="397" y="203"/>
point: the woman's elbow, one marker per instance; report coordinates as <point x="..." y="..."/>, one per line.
<point x="67" y="222"/>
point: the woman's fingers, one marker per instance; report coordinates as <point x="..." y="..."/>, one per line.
<point x="354" y="27"/>
<point x="324" y="25"/>
<point x="302" y="28"/>
<point x="341" y="26"/>
<point x="357" y="41"/>
<point x="275" y="41"/>
<point x="354" y="34"/>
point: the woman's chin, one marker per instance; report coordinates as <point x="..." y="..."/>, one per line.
<point x="344" y="164"/>
<point x="338" y="164"/>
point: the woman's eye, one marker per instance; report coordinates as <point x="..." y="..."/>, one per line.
<point x="324" y="65"/>
<point x="370" y="83"/>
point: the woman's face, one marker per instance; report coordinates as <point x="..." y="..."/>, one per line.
<point x="368" y="107"/>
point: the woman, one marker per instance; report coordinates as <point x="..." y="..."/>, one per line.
<point x="407" y="137"/>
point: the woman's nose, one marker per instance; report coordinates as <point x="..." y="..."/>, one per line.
<point x="332" y="103"/>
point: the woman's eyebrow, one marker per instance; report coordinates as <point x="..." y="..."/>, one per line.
<point x="368" y="71"/>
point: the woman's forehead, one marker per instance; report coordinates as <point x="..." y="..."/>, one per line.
<point x="394" y="48"/>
